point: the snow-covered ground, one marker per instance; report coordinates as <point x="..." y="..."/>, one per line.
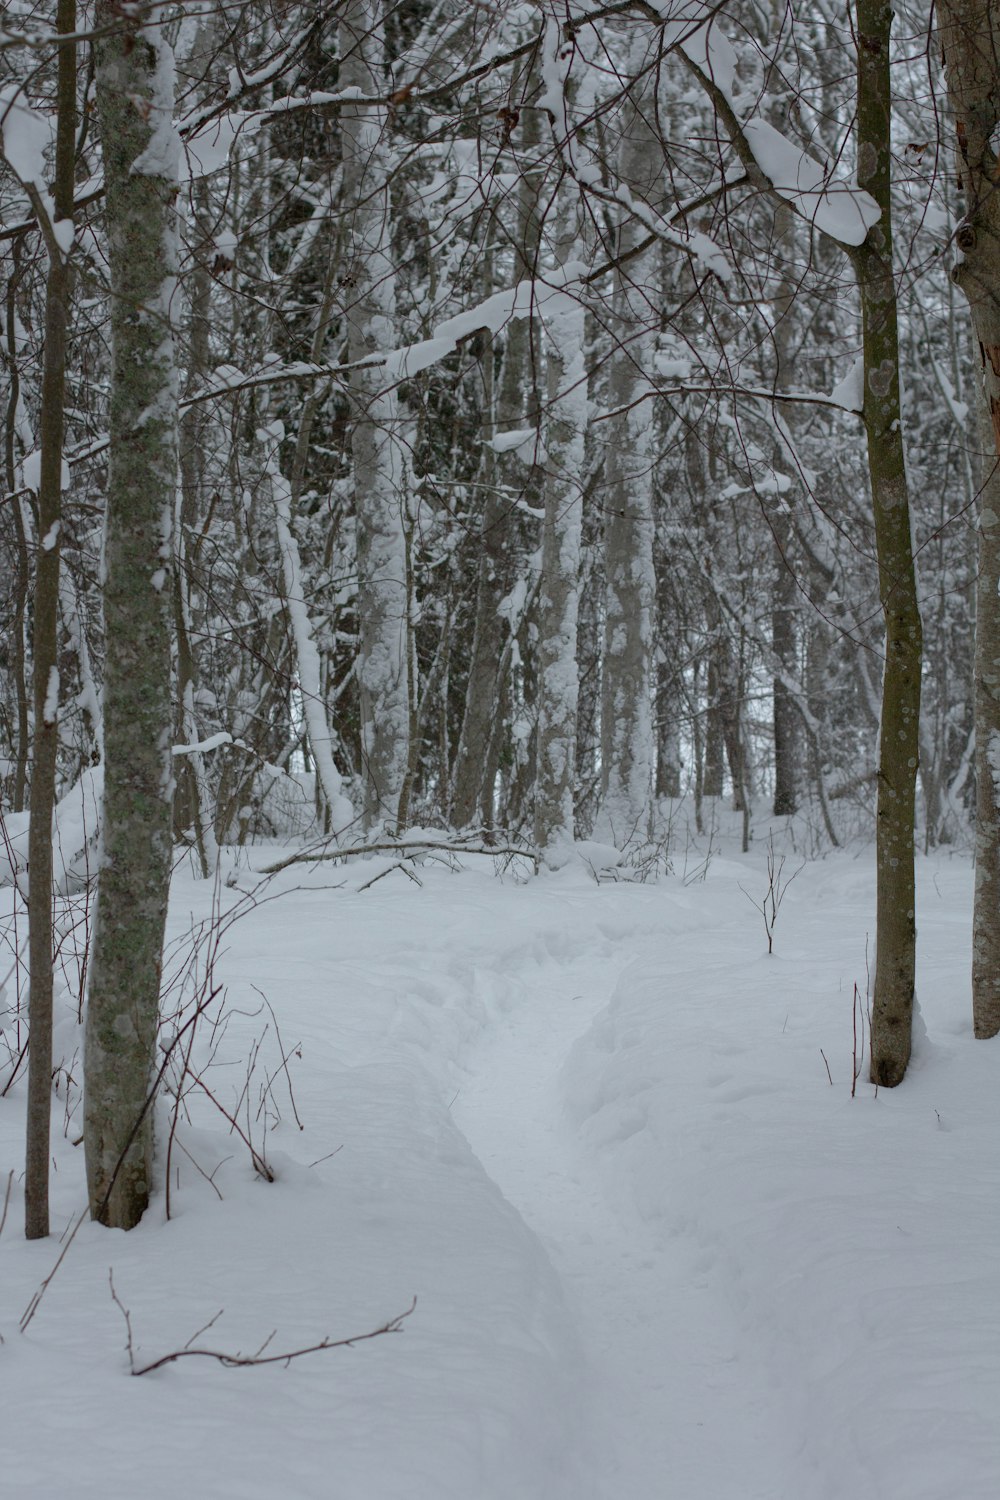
<point x="655" y="1251"/>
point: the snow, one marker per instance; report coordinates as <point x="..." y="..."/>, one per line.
<point x="589" y="1126"/>
<point x="207" y="149"/>
<point x="75" y="825"/>
<point x="30" y="477"/>
<point x="50" y="708"/>
<point x="715" y="55"/>
<point x="202" y="747"/>
<point x="26" y="136"/>
<point x="849" y="392"/>
<point x="162" y="155"/>
<point x="525" y="442"/>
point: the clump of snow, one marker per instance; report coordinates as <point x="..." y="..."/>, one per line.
<point x="850" y="391"/>
<point x="524" y="442"/>
<point x="26" y="134"/>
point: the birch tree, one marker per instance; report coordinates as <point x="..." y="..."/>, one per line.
<point x="562" y="528"/>
<point x="135" y="101"/>
<point x="627" y="744"/>
<point x="368" y="283"/>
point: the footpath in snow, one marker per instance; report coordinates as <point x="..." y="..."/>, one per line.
<point x="655" y="1251"/>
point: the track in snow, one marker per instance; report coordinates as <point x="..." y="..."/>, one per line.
<point x="670" y="1385"/>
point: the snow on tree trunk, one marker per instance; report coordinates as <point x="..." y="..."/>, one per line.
<point x="970" y="43"/>
<point x="135" y="97"/>
<point x="368" y="283"/>
<point x="483" y="723"/>
<point x="627" y="742"/>
<point x="306" y="651"/>
<point x="559" y="595"/>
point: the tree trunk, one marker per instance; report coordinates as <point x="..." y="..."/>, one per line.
<point x="627" y="745"/>
<point x="487" y="683"/>
<point x="368" y="284"/>
<point x="713" y="759"/>
<point x="895" y="957"/>
<point x="45" y="651"/>
<point x="22" y="578"/>
<point x="134" y="80"/>
<point x="895" y="949"/>
<point x="559" y="595"/>
<point x="970" y="39"/>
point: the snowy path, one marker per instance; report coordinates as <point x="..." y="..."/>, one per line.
<point x="683" y="1413"/>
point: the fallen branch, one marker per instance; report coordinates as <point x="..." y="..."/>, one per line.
<point x="244" y="1361"/>
<point x="405" y="847"/>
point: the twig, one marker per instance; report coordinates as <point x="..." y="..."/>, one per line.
<point x="245" y="1361"/>
<point x="295" y="1051"/>
<point x="383" y="873"/>
<point x="327" y="1156"/>
<point x="828" y="1073"/>
<point x="259" y="1164"/>
<point x="198" y="1331"/>
<point x="208" y="1176"/>
<point x="33" y="1305"/>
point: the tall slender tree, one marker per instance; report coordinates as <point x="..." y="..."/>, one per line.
<point x="135" y="103"/>
<point x="970" y="44"/>
<point x="45" y="633"/>
<point x="627" y="744"/>
<point x="368" y="283"/>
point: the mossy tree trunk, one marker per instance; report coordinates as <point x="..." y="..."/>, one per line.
<point x="134" y="85"/>
<point x="895" y="944"/>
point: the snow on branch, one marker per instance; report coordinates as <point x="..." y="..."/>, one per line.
<point x="409" y="846"/>
<point x="837" y="207"/>
<point x="774" y="165"/>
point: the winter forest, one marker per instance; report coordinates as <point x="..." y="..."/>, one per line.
<point x="500" y="747"/>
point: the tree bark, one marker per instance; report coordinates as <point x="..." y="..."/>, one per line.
<point x="970" y="38"/>
<point x="895" y="947"/>
<point x="134" y="80"/>
<point x="895" y="961"/>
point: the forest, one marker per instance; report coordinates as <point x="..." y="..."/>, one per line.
<point x="551" y="438"/>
